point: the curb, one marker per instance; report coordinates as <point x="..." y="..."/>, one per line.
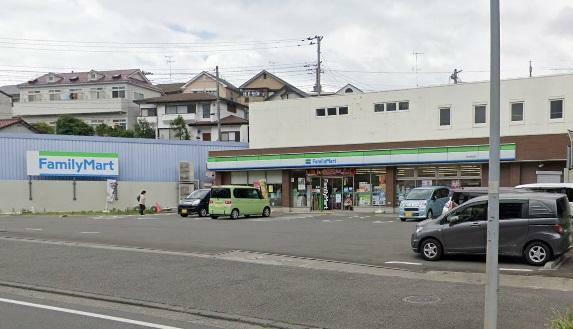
<point x="158" y="306"/>
<point x="556" y="263"/>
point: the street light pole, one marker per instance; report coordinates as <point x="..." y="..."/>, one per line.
<point x="218" y="105"/>
<point x="492" y="270"/>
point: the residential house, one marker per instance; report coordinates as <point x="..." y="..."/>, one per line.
<point x="266" y="86"/>
<point x="5" y="105"/>
<point x="12" y="91"/>
<point x="95" y="97"/>
<point x="16" y="126"/>
<point x="171" y="88"/>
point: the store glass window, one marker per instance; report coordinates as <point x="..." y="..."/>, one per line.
<point x="448" y="171"/>
<point x="300" y="190"/>
<point x="343" y="110"/>
<point x="445" y="116"/>
<point x="403" y="106"/>
<point x="320" y="112"/>
<point x="479" y="114"/>
<point x="470" y="171"/>
<point x="517" y="111"/>
<point x="331" y="111"/>
<point x="427" y="172"/>
<point x="362" y="188"/>
<point x="379" y="107"/>
<point x="378" y="186"/>
<point x="556" y="109"/>
<point x="390" y="107"/>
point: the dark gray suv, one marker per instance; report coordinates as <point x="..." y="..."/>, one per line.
<point x="536" y="226"/>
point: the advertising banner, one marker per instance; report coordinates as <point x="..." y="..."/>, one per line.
<point x="111" y="190"/>
<point x="50" y="163"/>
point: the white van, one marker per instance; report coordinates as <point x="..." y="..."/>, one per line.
<point x="562" y="188"/>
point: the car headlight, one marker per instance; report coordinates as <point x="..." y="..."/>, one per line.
<point x="419" y="229"/>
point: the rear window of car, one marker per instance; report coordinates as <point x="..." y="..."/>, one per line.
<point x="538" y="209"/>
<point x="220" y="193"/>
<point x="510" y="210"/>
<point x="563" y="208"/>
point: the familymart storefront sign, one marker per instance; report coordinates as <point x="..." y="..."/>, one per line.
<point x="53" y="163"/>
<point x="448" y="154"/>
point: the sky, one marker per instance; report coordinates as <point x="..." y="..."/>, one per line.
<point x="370" y="44"/>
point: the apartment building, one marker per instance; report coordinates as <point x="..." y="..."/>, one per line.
<point x="95" y="97"/>
<point x="374" y="147"/>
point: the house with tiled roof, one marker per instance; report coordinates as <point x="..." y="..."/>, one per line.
<point x="16" y="126"/>
<point x="6" y="102"/>
<point x="265" y="86"/>
<point x="94" y="96"/>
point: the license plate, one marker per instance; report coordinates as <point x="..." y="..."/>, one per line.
<point x="408" y="214"/>
<point x="184" y="211"/>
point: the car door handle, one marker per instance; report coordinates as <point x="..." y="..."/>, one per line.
<point x="475" y="224"/>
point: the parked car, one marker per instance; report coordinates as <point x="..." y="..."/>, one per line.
<point x="234" y="201"/>
<point x="424" y="202"/>
<point x="460" y="195"/>
<point x="195" y="203"/>
<point x="563" y="188"/>
<point x="536" y="226"/>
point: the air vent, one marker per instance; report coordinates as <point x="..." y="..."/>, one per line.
<point x="116" y="76"/>
<point x="74" y="78"/>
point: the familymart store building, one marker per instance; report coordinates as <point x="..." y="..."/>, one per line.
<point x="373" y="176"/>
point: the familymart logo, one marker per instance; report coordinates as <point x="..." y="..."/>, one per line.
<point x="53" y="163"/>
<point x="320" y="161"/>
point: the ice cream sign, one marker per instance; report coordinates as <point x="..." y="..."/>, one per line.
<point x="50" y="163"/>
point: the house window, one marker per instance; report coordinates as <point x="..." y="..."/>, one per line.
<point x="55" y="95"/>
<point x="95" y="123"/>
<point x="148" y="112"/>
<point x="320" y="112"/>
<point x="517" y="111"/>
<point x="556" y="109"/>
<point x="97" y="93"/>
<point x="117" y="92"/>
<point x="34" y="96"/>
<point x="331" y="111"/>
<point x="170" y="109"/>
<point x="137" y="95"/>
<point x="390" y="107"/>
<point x="93" y="76"/>
<point x="403" y="106"/>
<point x="182" y="109"/>
<point x="206" y="110"/>
<point x="232" y="108"/>
<point x="445" y="119"/>
<point x="120" y="123"/>
<point x="192" y="108"/>
<point x="479" y="114"/>
<point x="379" y="107"/>
<point x="343" y="110"/>
<point x="227" y="136"/>
<point x="75" y="94"/>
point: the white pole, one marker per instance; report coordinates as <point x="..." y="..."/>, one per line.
<point x="492" y="270"/>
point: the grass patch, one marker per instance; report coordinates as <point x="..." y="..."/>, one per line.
<point x="562" y="321"/>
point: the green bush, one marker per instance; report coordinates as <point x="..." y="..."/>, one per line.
<point x="562" y="321"/>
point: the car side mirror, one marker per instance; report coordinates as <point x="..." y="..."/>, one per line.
<point x="434" y="198"/>
<point x="453" y="219"/>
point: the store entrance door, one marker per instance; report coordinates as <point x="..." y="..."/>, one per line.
<point x="332" y="193"/>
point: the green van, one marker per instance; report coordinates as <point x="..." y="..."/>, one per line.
<point x="234" y="201"/>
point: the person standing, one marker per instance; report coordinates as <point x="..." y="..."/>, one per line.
<point x="141" y="201"/>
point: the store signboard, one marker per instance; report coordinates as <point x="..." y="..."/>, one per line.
<point x="54" y="163"/>
<point x="447" y="154"/>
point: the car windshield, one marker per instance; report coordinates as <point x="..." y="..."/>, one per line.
<point x="198" y="194"/>
<point x="419" y="194"/>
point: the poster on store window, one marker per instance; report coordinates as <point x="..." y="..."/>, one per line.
<point x="262" y="185"/>
<point x="301" y="184"/>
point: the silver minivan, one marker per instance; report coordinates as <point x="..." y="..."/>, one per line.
<point x="424" y="202"/>
<point x="534" y="225"/>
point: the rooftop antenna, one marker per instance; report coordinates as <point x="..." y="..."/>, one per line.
<point x="169" y="59"/>
<point x="416" y="69"/>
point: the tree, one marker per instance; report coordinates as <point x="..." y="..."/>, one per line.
<point x="68" y="125"/>
<point x="143" y="129"/>
<point x="180" y="127"/>
<point x="103" y="130"/>
<point x="44" y="128"/>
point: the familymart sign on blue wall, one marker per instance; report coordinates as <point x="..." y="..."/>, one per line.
<point x="50" y="163"/>
<point x="421" y="155"/>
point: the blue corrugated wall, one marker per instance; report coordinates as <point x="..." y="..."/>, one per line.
<point x="139" y="159"/>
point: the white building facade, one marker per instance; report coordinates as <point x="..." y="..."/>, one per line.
<point x="370" y="149"/>
<point x="95" y="97"/>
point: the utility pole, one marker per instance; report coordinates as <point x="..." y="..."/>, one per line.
<point x="530" y="69"/>
<point x="492" y="267"/>
<point x="318" y="38"/>
<point x="169" y="61"/>
<point x="415" y="53"/>
<point x="218" y="105"/>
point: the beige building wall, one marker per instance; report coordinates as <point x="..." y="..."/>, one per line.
<point x="16" y="129"/>
<point x="5" y="106"/>
<point x="51" y="195"/>
<point x="268" y="83"/>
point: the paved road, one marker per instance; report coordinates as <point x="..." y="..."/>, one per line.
<point x="359" y="238"/>
<point x="295" y="293"/>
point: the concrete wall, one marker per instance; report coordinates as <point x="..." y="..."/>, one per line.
<point x="5" y="106"/>
<point x="288" y="123"/>
<point x="52" y="195"/>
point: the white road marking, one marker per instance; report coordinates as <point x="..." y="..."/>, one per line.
<point x="33" y="229"/>
<point x="382" y="221"/>
<point x="516" y="269"/>
<point x="147" y="218"/>
<point x="405" y="263"/>
<point x="332" y="220"/>
<point x="88" y="314"/>
<point x="89" y="232"/>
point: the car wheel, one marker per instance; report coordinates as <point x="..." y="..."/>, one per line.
<point x="202" y="212"/>
<point x="431" y="249"/>
<point x="266" y="212"/>
<point x="184" y="215"/>
<point x="537" y="253"/>
<point x="235" y="214"/>
<point x="214" y="217"/>
<point x="430" y="214"/>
